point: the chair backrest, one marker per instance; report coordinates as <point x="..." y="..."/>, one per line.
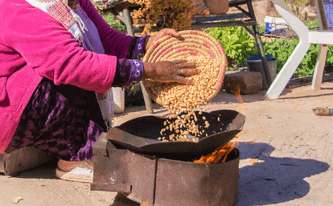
<point x="293" y="21"/>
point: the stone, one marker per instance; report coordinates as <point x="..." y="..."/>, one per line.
<point x="250" y="82"/>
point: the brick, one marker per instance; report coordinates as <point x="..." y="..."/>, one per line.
<point x="250" y="82"/>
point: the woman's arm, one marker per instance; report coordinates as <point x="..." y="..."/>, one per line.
<point x="114" y="41"/>
<point x="130" y="71"/>
<point x="48" y="48"/>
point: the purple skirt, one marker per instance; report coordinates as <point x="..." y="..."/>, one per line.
<point x="63" y="121"/>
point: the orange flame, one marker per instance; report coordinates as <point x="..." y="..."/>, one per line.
<point x="238" y="96"/>
<point x="222" y="152"/>
<point x="218" y="154"/>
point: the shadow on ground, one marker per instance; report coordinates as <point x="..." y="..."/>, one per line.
<point x="273" y="180"/>
<point x="121" y="200"/>
<point x="45" y="171"/>
<point x="307" y="96"/>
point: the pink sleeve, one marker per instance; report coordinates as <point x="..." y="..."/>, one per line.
<point x="114" y="43"/>
<point x="48" y="48"/>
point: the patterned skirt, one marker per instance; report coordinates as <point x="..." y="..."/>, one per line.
<point x="63" y="121"/>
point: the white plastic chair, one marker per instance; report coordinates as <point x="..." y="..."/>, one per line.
<point x="306" y="38"/>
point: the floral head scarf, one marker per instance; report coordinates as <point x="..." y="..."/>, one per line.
<point x="60" y="11"/>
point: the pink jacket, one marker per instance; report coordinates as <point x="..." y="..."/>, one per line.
<point x="33" y="45"/>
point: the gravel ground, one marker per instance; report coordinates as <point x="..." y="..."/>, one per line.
<point x="293" y="147"/>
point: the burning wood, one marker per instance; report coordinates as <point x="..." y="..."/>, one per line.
<point x="218" y="154"/>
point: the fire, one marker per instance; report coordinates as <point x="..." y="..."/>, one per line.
<point x="238" y="96"/>
<point x="222" y="152"/>
<point x="218" y="154"/>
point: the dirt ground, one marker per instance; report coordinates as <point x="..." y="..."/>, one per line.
<point x="293" y="145"/>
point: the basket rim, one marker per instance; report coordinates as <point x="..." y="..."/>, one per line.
<point x="188" y="34"/>
<point x="182" y="33"/>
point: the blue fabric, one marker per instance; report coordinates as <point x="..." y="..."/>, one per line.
<point x="136" y="72"/>
<point x="91" y="37"/>
<point x="139" y="48"/>
<point x="129" y="72"/>
<point x="329" y="13"/>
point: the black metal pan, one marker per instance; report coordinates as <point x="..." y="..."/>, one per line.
<point x="140" y="134"/>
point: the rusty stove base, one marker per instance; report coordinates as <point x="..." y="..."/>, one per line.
<point x="153" y="181"/>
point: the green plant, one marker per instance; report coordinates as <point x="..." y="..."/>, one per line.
<point x="329" y="57"/>
<point x="115" y="24"/>
<point x="312" y="24"/>
<point x="238" y="45"/>
<point x="236" y="42"/>
<point x="262" y="29"/>
<point x="282" y="49"/>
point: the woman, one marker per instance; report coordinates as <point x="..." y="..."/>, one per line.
<point x="53" y="60"/>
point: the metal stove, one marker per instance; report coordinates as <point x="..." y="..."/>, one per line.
<point x="130" y="160"/>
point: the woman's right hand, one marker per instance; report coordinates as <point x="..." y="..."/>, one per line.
<point x="170" y="71"/>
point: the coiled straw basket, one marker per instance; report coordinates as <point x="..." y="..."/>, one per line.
<point x="192" y="43"/>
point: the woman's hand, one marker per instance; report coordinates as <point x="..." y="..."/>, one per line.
<point x="170" y="71"/>
<point x="159" y="35"/>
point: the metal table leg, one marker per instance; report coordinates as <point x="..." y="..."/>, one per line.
<point x="259" y="43"/>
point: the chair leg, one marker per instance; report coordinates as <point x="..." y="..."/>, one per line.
<point x="282" y="79"/>
<point x="287" y="71"/>
<point x="321" y="60"/>
<point x="319" y="71"/>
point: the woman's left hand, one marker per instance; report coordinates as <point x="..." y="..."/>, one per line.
<point x="170" y="71"/>
<point x="159" y="35"/>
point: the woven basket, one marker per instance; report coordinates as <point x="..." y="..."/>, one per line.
<point x="192" y="43"/>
